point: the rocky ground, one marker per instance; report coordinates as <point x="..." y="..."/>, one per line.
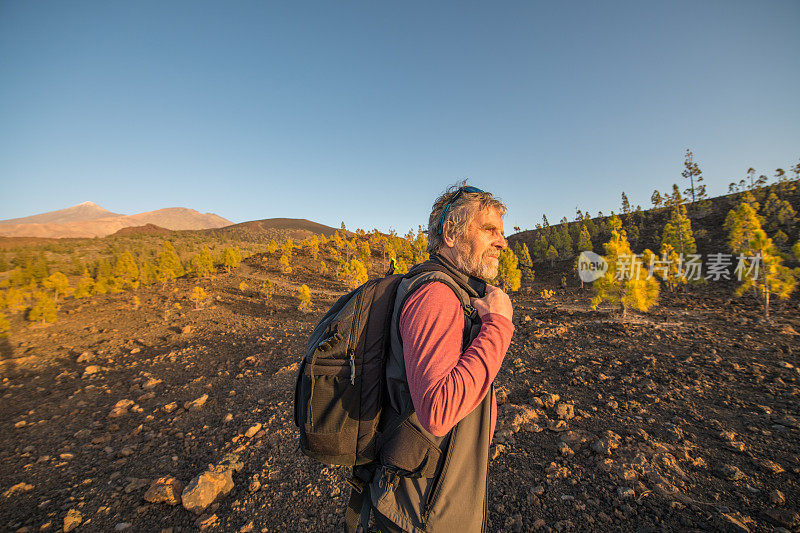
<point x="687" y="418"/>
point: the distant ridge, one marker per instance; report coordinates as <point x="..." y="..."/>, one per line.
<point x="80" y="212"/>
<point x="273" y="228"/>
<point x="90" y="220"/>
<point x="147" y="229"/>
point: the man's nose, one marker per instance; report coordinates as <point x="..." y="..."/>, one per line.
<point x="501" y="243"/>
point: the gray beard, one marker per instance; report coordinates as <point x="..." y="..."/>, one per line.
<point x="474" y="266"/>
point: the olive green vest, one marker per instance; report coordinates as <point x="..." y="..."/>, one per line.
<point x="430" y="483"/>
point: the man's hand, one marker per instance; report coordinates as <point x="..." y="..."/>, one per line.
<point x="495" y="301"/>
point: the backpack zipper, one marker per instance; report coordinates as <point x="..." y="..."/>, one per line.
<point x="351" y="351"/>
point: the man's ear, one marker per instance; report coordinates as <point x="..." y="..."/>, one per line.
<point x="447" y="234"/>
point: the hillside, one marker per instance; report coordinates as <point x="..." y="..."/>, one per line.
<point x="707" y="223"/>
<point x="262" y="231"/>
<point x="679" y="420"/>
<point x="90" y="220"/>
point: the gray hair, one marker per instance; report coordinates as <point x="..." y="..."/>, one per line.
<point x="460" y="213"/>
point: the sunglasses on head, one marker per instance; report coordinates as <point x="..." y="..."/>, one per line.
<point x="468" y="189"/>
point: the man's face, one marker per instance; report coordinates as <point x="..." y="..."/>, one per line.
<point x="477" y="252"/>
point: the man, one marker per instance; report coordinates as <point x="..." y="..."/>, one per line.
<point x="449" y="333"/>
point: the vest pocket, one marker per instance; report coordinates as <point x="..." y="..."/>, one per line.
<point x="411" y="453"/>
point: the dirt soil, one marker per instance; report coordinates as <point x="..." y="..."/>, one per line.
<point x="687" y="418"/>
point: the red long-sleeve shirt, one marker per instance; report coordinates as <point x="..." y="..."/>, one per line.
<point x="445" y="384"/>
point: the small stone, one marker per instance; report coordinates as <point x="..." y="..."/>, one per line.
<point x="565" y="450"/>
<point x="91" y="370"/>
<point x="539" y="524"/>
<point x="165" y="489"/>
<point x="501" y="396"/>
<point x="255" y="484"/>
<point x="247" y="528"/>
<point x="72" y="520"/>
<point x="121" y="408"/>
<point x="151" y="383"/>
<point x="549" y="400"/>
<point x="607" y="443"/>
<point x="185" y="330"/>
<point x="196" y="404"/>
<point x="565" y="411"/>
<point x="771" y="466"/>
<point x="626" y="493"/>
<point x="85" y="357"/>
<point x="136" y="350"/>
<point x="734" y="524"/>
<point x="731" y="472"/>
<point x="66" y="456"/>
<point x="736" y="445"/>
<point x="252" y="430"/>
<point x="19" y="488"/>
<point x="170" y="407"/>
<point x="135" y="483"/>
<point x="777" y="497"/>
<point x="206" y="488"/>
<point x="122" y="526"/>
<point x="207" y="522"/>
<point x="556" y="425"/>
<point x="227" y="418"/>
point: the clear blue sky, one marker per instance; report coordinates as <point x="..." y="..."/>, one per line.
<point x="363" y="112"/>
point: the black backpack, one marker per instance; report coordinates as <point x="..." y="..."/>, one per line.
<point x="340" y="390"/>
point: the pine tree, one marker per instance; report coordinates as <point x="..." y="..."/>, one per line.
<point x="169" y="264"/>
<point x="626" y="205"/>
<point x="772" y="276"/>
<point x="85" y="286"/>
<point x="203" y="263"/>
<point x="313" y="247"/>
<point x="693" y="173"/>
<point x="267" y="289"/>
<point x="198" y="297"/>
<point x="585" y="240"/>
<point x="148" y="273"/>
<point x="675" y="199"/>
<point x="678" y="232"/>
<point x="283" y="264"/>
<point x="44" y="309"/>
<point x="509" y="277"/>
<point x="272" y="247"/>
<point x="126" y="270"/>
<point x="656" y="199"/>
<point x="231" y="257"/>
<point x="5" y="325"/>
<point x="287" y="247"/>
<point x="626" y="282"/>
<point x="525" y="256"/>
<point x="779" y="214"/>
<point x="540" y="247"/>
<point x="304" y="294"/>
<point x="100" y="286"/>
<point x="551" y="255"/>
<point x="3" y="261"/>
<point x="741" y="223"/>
<point x="354" y="273"/>
<point x="668" y="267"/>
<point x="15" y="300"/>
<point x="364" y="253"/>
<point x="59" y="284"/>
